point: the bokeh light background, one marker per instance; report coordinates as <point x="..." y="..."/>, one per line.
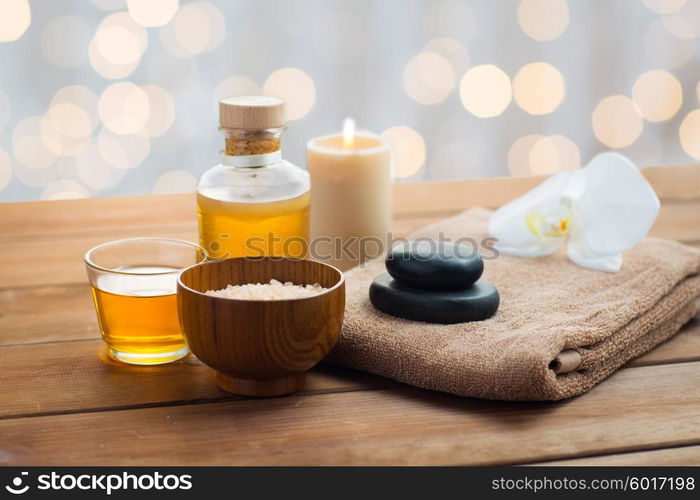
<point x="118" y="97"/>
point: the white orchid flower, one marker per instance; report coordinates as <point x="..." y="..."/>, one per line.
<point x="603" y="209"/>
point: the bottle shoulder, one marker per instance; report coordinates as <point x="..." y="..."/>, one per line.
<point x="276" y="182"/>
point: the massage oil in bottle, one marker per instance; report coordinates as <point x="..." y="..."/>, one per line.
<point x="254" y="203"/>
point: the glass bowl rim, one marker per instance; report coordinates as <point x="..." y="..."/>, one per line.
<point x="89" y="261"/>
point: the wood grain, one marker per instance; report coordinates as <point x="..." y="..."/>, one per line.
<point x="633" y="410"/>
<point x="47" y="313"/>
<point x="89" y="410"/>
<point x="677" y="456"/>
<point x="91" y="382"/>
<point x="684" y="346"/>
<point x="671" y="183"/>
<point x="58" y="260"/>
<point x="108" y="215"/>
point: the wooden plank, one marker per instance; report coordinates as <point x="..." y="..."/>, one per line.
<point x="679" y="182"/>
<point x="59" y="260"/>
<point x="671" y="183"/>
<point x="154" y="211"/>
<point x="682" y="456"/>
<point x="46" y="314"/>
<point x="70" y="377"/>
<point x="684" y="346"/>
<point x="96" y="215"/>
<point x="65" y="313"/>
<point x="678" y="221"/>
<point x="640" y="408"/>
<point x="93" y="382"/>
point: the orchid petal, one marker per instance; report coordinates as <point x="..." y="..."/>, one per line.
<point x="534" y="224"/>
<point x="612" y="212"/>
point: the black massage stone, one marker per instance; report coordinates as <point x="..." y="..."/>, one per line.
<point x="432" y="265"/>
<point x="476" y="302"/>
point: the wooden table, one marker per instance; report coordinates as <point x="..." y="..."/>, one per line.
<point x="64" y="403"/>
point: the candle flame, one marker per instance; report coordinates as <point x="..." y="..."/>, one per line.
<point x="348" y="133"/>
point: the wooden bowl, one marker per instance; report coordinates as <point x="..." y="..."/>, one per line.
<point x="260" y="347"/>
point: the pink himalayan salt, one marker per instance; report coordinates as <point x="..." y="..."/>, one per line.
<point x="275" y="290"/>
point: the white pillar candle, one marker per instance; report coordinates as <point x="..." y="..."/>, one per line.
<point x="350" y="196"/>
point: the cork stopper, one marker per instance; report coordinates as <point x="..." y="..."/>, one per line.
<point x="254" y="112"/>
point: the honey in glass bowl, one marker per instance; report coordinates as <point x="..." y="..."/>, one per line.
<point x="134" y="285"/>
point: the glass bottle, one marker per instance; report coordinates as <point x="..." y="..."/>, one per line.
<point x="254" y="203"/>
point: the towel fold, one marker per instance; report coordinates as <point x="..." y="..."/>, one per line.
<point x="560" y="328"/>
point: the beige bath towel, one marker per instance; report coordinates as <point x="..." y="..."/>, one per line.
<point x="560" y="328"/>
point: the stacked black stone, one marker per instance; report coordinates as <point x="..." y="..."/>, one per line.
<point x="434" y="282"/>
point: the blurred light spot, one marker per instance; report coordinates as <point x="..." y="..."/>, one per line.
<point x="485" y="90"/>
<point x="110" y="4"/>
<point x="196" y="28"/>
<point x="679" y="26"/>
<point x="124" y="108"/>
<point x="94" y="171"/>
<point x="70" y="120"/>
<point x="15" y="19"/>
<point x="4" y="109"/>
<point x="117" y="46"/>
<point x="450" y="18"/>
<point x="236" y="85"/>
<point x="543" y="20"/>
<point x="664" y="50"/>
<point x="452" y="50"/>
<point x="664" y="6"/>
<point x="64" y="41"/>
<point x="554" y="153"/>
<point x="658" y="94"/>
<point x="538" y="88"/>
<point x="64" y="189"/>
<point x="428" y="78"/>
<point x="175" y="181"/>
<point x="408" y="150"/>
<point x="5" y="169"/>
<point x="151" y="13"/>
<point x="107" y="69"/>
<point x="118" y="42"/>
<point x="690" y="134"/>
<point x="66" y="128"/>
<point x="617" y="121"/>
<point x="519" y="154"/>
<point x="123" y="151"/>
<point x="295" y="87"/>
<point x="684" y="23"/>
<point x="80" y="96"/>
<point x="161" y="111"/>
<point x="28" y="146"/>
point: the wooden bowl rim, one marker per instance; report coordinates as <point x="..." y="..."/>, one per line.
<point x="339" y="284"/>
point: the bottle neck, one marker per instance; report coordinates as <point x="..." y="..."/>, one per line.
<point x="251" y="148"/>
<point x="245" y="142"/>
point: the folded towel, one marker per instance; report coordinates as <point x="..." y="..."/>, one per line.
<point x="560" y="328"/>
